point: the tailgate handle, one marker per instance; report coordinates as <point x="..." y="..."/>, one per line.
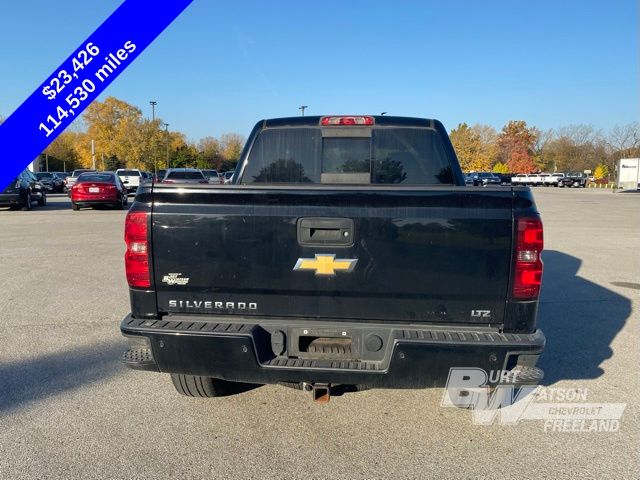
<point x="331" y="232"/>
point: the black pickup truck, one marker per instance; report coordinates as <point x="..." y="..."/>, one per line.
<point x="347" y="253"/>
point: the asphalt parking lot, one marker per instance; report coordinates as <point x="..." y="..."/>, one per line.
<point x="68" y="409"/>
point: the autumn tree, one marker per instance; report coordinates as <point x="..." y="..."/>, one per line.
<point x="474" y="152"/>
<point x="231" y="146"/>
<point x="575" y="148"/>
<point x="601" y="171"/>
<point x="500" y="168"/>
<point x="62" y="152"/>
<point x="516" y="144"/>
<point x="118" y="130"/>
<point x="209" y="153"/>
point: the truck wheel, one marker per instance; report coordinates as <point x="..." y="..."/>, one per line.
<point x="43" y="201"/>
<point x="202" y="387"/>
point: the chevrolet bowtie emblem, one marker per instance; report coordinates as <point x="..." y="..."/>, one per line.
<point x="326" y="265"/>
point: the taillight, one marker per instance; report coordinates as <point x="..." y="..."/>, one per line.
<point x="136" y="259"/>
<point x="346" y="120"/>
<point x="528" y="264"/>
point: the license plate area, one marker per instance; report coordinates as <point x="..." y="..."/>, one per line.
<point x="94" y="190"/>
<point x="323" y="344"/>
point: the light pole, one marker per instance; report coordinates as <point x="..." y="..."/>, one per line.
<point x="302" y="108"/>
<point x="166" y="135"/>
<point x="153" y="104"/>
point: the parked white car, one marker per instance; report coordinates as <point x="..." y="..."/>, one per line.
<point x="545" y="179"/>
<point x="535" y="179"/>
<point x="70" y="181"/>
<point x="557" y="179"/>
<point x="212" y="176"/>
<point x="518" y="179"/>
<point x="553" y="179"/>
<point x="130" y="177"/>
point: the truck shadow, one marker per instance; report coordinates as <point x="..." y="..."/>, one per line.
<point x="579" y="318"/>
<point x="35" y="379"/>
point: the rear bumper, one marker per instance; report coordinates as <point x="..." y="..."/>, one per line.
<point x="255" y="351"/>
<point x="95" y="200"/>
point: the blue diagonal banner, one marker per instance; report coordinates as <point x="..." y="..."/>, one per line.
<point x="80" y="79"/>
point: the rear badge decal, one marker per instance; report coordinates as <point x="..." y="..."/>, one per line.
<point x="326" y="265"/>
<point x="175" y="279"/>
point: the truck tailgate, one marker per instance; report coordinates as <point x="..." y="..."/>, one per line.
<point x="423" y="254"/>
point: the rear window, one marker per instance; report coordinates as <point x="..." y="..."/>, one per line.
<point x="388" y="156"/>
<point x="95" y="177"/>
<point x="128" y="173"/>
<point x="77" y="173"/>
<point x="185" y="176"/>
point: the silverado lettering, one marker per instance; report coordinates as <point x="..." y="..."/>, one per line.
<point x="212" y="304"/>
<point x="373" y="264"/>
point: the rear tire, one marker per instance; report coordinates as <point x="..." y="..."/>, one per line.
<point x="75" y="207"/>
<point x="201" y="387"/>
<point x="43" y="201"/>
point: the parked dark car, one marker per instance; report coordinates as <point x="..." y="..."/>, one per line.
<point x="575" y="179"/>
<point x="482" y="179"/>
<point x="98" y="188"/>
<point x="23" y="191"/>
<point x="157" y="178"/>
<point x="505" y="178"/>
<point x="228" y="176"/>
<point x="184" y="175"/>
<point x="51" y="181"/>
